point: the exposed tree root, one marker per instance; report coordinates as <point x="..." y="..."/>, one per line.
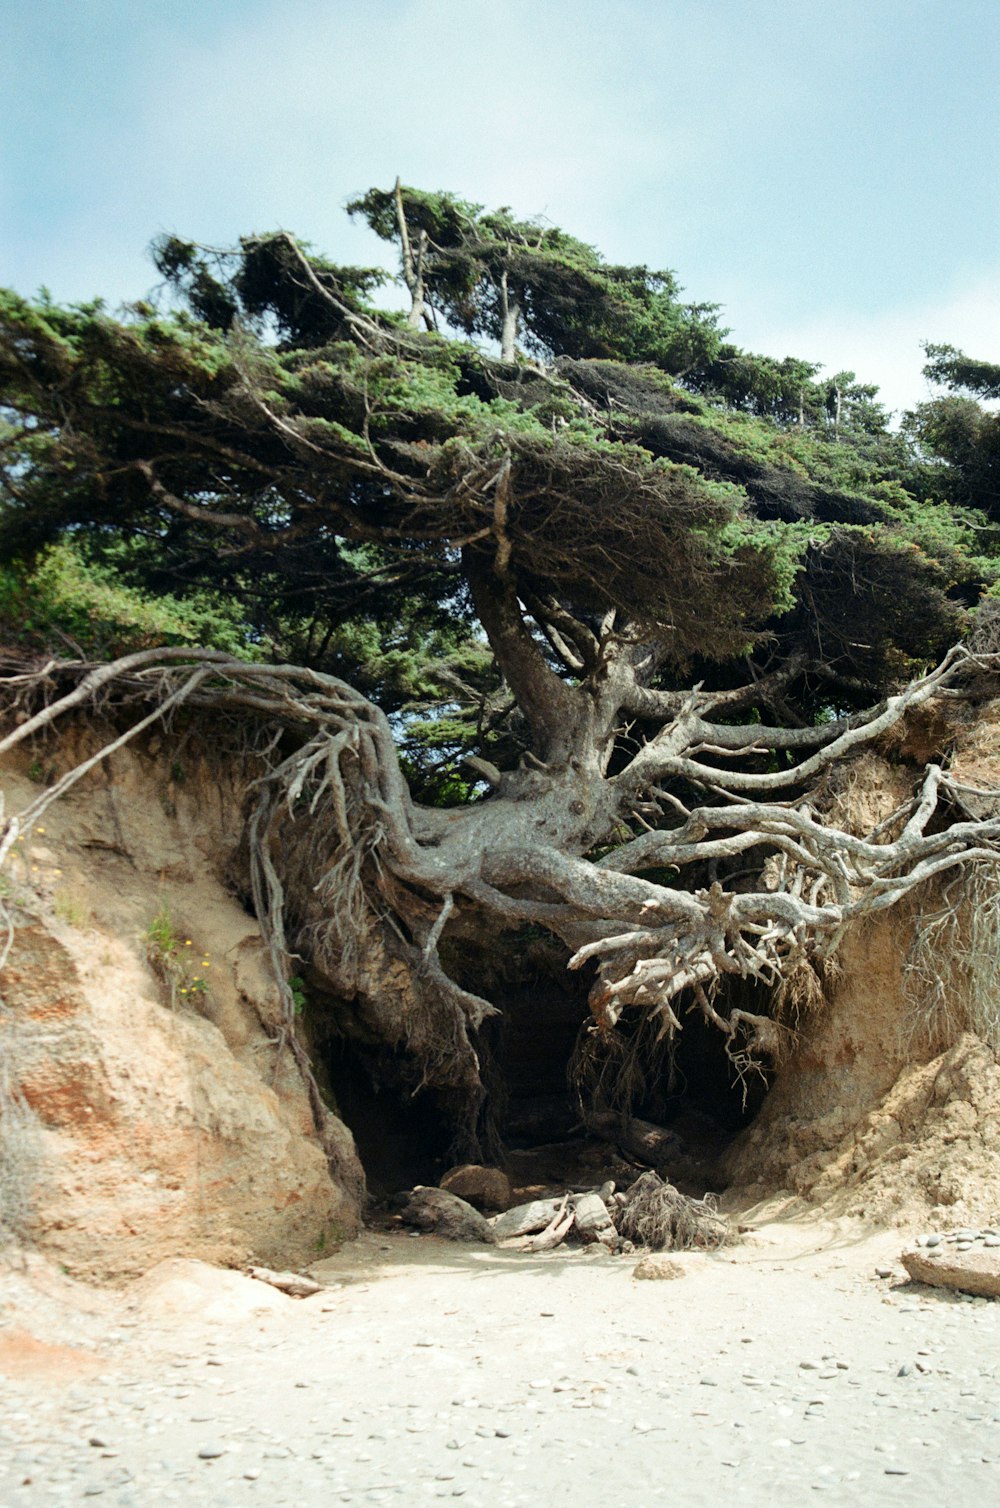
<point x="348" y="872"/>
<point x="654" y="1214"/>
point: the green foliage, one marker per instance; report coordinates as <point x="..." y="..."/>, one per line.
<point x="279" y="469"/>
<point x="965" y="374"/>
<point x="171" y="958"/>
<point x="297" y="988"/>
<point x="479" y="265"/>
<point x="61" y="600"/>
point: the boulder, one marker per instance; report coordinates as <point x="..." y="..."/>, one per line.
<point x="185" y="1289"/>
<point x="442" y="1214"/>
<point x="975" y="1272"/>
<point x="484" y="1188"/>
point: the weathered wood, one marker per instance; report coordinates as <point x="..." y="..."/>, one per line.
<point x="524" y="1219"/>
<point x="638" y="1139"/>
<point x="292" y="1283"/>
<point x="555" y="1232"/>
<point x="593" y="1223"/>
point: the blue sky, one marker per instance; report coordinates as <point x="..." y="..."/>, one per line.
<point x="826" y="169"/>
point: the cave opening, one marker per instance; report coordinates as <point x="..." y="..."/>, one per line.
<point x="405" y="1135"/>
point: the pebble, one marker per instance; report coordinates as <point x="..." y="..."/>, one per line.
<point x="211" y="1452"/>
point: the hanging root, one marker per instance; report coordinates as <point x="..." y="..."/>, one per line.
<point x="652" y="1213"/>
<point x="951" y="976"/>
<point x="613" y="1071"/>
<point x="801" y="990"/>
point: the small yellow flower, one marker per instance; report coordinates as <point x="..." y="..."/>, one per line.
<point x="39" y="829"/>
<point x="183" y="990"/>
<point x="187" y="942"/>
<point x="205" y="964"/>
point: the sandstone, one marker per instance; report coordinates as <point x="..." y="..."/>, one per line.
<point x="976" y="1272"/>
<point x="658" y="1267"/>
<point x="484" y="1188"/>
<point x="188" y="1289"/>
<point x="143" y="1131"/>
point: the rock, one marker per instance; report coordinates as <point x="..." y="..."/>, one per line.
<point x="211" y="1452"/>
<point x="195" y="1290"/>
<point x="484" y="1188"/>
<point x="444" y="1214"/>
<point x="656" y="1266"/>
<point x="972" y="1271"/>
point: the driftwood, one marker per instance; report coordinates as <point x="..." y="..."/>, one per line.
<point x="547" y="1222"/>
<point x="292" y="1283"/>
<point x="593" y="1222"/>
<point x="524" y="1219"/>
<point x="556" y="1231"/>
<point x="654" y="1214"/>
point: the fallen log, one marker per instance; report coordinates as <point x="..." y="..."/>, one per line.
<point x="524" y="1219"/>
<point x="640" y="1140"/>
<point x="292" y="1283"/>
<point x="555" y="1232"/>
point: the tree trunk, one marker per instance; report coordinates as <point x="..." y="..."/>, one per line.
<point x="413" y="266"/>
<point x="510" y="312"/>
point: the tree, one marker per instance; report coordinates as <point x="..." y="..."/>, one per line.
<point x="510" y="280"/>
<point x="957" y="429"/>
<point x="648" y="626"/>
